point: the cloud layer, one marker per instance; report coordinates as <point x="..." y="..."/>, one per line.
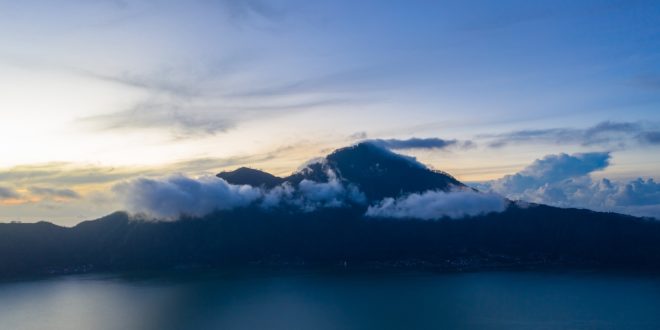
<point x="179" y="195"/>
<point x="54" y="192"/>
<point x="607" y="133"/>
<point x="8" y="193"/>
<point x="564" y="180"/>
<point x="432" y="205"/>
<point x="172" y="197"/>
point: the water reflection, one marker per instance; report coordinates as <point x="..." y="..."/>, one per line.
<point x="318" y="300"/>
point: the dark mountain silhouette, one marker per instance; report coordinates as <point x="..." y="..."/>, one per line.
<point x="252" y="177"/>
<point x="529" y="236"/>
<point x="375" y="171"/>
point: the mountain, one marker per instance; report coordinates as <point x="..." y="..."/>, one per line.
<point x="252" y="177"/>
<point x="521" y="235"/>
<point x="376" y="171"/>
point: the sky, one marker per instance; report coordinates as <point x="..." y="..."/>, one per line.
<point x="95" y="92"/>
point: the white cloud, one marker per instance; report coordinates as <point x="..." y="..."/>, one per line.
<point x="328" y="194"/>
<point x="273" y="198"/>
<point x="439" y="204"/>
<point x="564" y="180"/>
<point x="177" y="195"/>
<point x="548" y="170"/>
<point x="169" y="198"/>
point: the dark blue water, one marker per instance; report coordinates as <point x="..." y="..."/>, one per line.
<point x="320" y="300"/>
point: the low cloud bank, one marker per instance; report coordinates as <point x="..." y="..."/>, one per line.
<point x="564" y="180"/>
<point x="328" y="194"/>
<point x="172" y="197"/>
<point x="310" y="195"/>
<point x="432" y="205"/>
<point x="178" y="195"/>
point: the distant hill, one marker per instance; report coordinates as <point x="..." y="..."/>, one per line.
<point x="520" y="236"/>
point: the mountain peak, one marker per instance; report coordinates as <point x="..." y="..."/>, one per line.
<point x="371" y="152"/>
<point x="250" y="176"/>
<point x="376" y="171"/>
<point x="380" y="173"/>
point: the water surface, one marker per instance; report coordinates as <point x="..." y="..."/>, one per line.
<point x="338" y="300"/>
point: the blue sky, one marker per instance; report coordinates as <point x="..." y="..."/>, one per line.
<point x="95" y="92"/>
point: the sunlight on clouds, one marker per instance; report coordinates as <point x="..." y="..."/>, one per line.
<point x="68" y="192"/>
<point x="92" y="92"/>
<point x="38" y="107"/>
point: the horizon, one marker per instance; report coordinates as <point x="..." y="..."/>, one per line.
<point x="96" y="94"/>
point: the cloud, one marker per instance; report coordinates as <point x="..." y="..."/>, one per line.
<point x="431" y="205"/>
<point x="179" y="118"/>
<point x="419" y="143"/>
<point x="8" y="193"/>
<point x="54" y="192"/>
<point x="362" y="79"/>
<point x="164" y="81"/>
<point x="67" y="174"/>
<point x="548" y="170"/>
<point x="201" y="116"/>
<point x="193" y="100"/>
<point x="607" y="133"/>
<point x="328" y="194"/>
<point x="564" y="180"/>
<point x="650" y="137"/>
<point x="171" y="197"/>
<point x="180" y="195"/>
<point x="74" y="174"/>
<point x="248" y="8"/>
<point x="358" y="136"/>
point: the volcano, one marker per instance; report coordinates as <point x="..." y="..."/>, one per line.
<point x="338" y="233"/>
<point x="376" y="171"/>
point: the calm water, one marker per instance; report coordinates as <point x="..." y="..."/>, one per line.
<point x="316" y="300"/>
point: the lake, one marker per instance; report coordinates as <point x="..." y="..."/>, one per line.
<point x="334" y="300"/>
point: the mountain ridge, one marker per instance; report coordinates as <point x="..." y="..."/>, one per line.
<point x="340" y="234"/>
<point x="368" y="166"/>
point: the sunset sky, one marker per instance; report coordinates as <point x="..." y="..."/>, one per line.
<point x="93" y="93"/>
